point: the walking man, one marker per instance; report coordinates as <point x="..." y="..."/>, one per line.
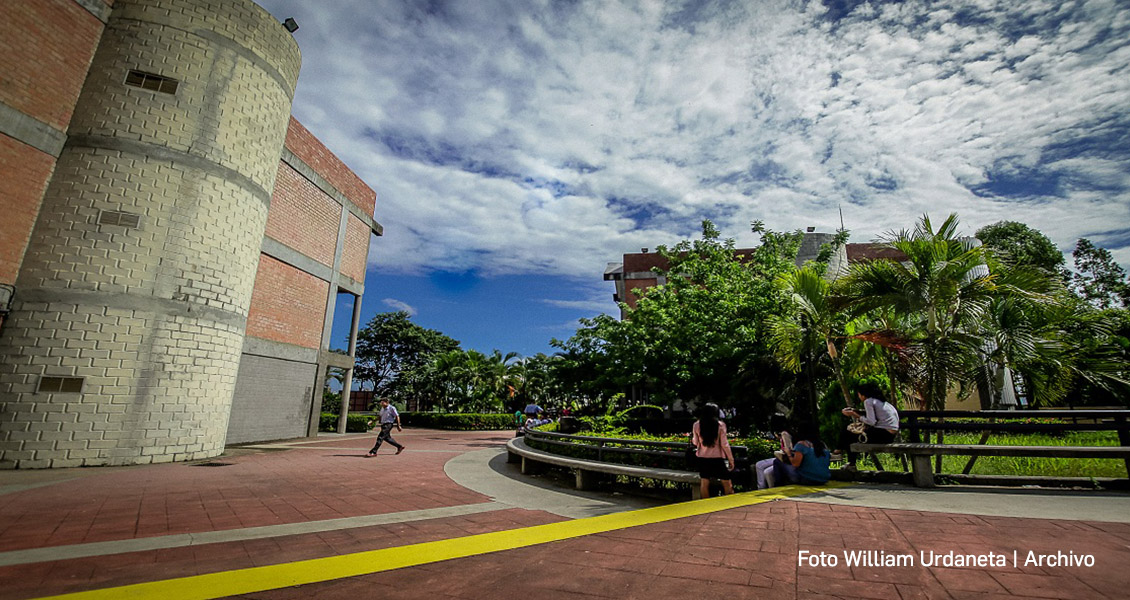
<point x="389" y="418"/>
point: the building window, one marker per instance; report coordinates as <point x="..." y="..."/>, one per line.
<point x="149" y="81"/>
<point x="62" y="385"/>
<point x="122" y="219"/>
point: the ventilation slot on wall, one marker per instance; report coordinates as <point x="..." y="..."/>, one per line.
<point x="62" y="385"/>
<point x="149" y="81"/>
<point x="123" y="219"/>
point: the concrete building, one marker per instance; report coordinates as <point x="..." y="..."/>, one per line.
<point x="173" y="242"/>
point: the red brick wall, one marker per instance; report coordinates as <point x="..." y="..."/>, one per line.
<point x="303" y="217"/>
<point x="21" y="189"/>
<point x="638" y="262"/>
<point x="356" y="250"/>
<point x="303" y="144"/>
<point x="287" y="305"/>
<point x="45" y="51"/>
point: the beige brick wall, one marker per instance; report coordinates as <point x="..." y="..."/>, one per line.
<point x="210" y="116"/>
<point x="153" y="316"/>
<point x="184" y="248"/>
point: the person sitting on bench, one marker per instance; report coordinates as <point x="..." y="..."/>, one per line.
<point x="880" y="421"/>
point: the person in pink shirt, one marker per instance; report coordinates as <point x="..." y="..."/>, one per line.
<point x="712" y="449"/>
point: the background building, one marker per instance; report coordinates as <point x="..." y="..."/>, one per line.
<point x="173" y="244"/>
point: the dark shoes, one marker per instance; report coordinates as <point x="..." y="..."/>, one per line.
<point x="400" y="449"/>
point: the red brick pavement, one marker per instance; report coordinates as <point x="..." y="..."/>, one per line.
<point x="326" y="480"/>
<point x="748" y="552"/>
<point x="751" y="552"/>
<point x="317" y="481"/>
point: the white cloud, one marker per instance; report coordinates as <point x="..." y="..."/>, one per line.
<point x="398" y="305"/>
<point x="538" y="137"/>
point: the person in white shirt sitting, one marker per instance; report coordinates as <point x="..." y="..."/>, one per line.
<point x="880" y="420"/>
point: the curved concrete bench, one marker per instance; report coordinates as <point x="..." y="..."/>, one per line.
<point x="588" y="472"/>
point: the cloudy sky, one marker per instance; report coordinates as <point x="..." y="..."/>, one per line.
<point x="517" y="147"/>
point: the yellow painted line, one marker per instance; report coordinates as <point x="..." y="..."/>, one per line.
<point x="271" y="577"/>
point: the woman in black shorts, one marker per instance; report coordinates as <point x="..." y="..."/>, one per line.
<point x="712" y="450"/>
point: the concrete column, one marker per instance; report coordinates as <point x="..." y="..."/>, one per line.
<point x="348" y="383"/>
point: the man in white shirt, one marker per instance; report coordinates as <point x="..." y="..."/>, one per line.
<point x="389" y="418"/>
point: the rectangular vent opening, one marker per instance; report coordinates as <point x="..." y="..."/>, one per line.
<point x="149" y="81"/>
<point x="62" y="385"/>
<point x="122" y="219"/>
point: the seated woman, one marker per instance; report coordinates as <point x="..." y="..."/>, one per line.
<point x="810" y="457"/>
<point x="766" y="474"/>
<point x="880" y="421"/>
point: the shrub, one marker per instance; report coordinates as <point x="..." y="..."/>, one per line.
<point x="331" y="402"/>
<point x="354" y="423"/>
<point x="458" y="421"/>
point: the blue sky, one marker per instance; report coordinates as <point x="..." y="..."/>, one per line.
<point x="517" y="147"/>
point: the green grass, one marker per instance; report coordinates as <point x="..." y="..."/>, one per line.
<point x="1024" y="466"/>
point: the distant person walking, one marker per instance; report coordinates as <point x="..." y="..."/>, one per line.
<point x="712" y="449"/>
<point x="390" y="418"/>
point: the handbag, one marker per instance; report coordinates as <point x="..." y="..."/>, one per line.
<point x="857" y="427"/>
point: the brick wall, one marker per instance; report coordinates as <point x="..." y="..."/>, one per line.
<point x="149" y="313"/>
<point x="356" y="250"/>
<point x="287" y="305"/>
<point x="45" y="50"/>
<point x="303" y="217"/>
<point x="303" y="144"/>
<point x="21" y="188"/>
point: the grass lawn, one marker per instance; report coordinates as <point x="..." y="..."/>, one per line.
<point x="1023" y="466"/>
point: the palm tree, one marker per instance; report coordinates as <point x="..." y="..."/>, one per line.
<point x="940" y="294"/>
<point x="814" y="327"/>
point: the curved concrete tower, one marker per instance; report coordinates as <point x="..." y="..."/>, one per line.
<point x="124" y="339"/>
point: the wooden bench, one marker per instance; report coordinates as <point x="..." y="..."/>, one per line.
<point x="918" y="425"/>
<point x="587" y="472"/>
<point x="923" y="472"/>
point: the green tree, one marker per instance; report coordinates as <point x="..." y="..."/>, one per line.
<point x="1098" y="279"/>
<point x="939" y="294"/>
<point x="1016" y="243"/>
<point x="391" y="344"/>
<point x="690" y="337"/>
<point x="812" y="330"/>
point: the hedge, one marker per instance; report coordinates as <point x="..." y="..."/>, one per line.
<point x="354" y="423"/>
<point x="458" y="421"/>
<point x="753" y="449"/>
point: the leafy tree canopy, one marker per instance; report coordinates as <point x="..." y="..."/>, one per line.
<point x="391" y="344"/>
<point x="1098" y="279"/>
<point x="688" y="337"/>
<point x="1021" y="245"/>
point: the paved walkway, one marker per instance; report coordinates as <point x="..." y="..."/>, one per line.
<point x="450" y="519"/>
